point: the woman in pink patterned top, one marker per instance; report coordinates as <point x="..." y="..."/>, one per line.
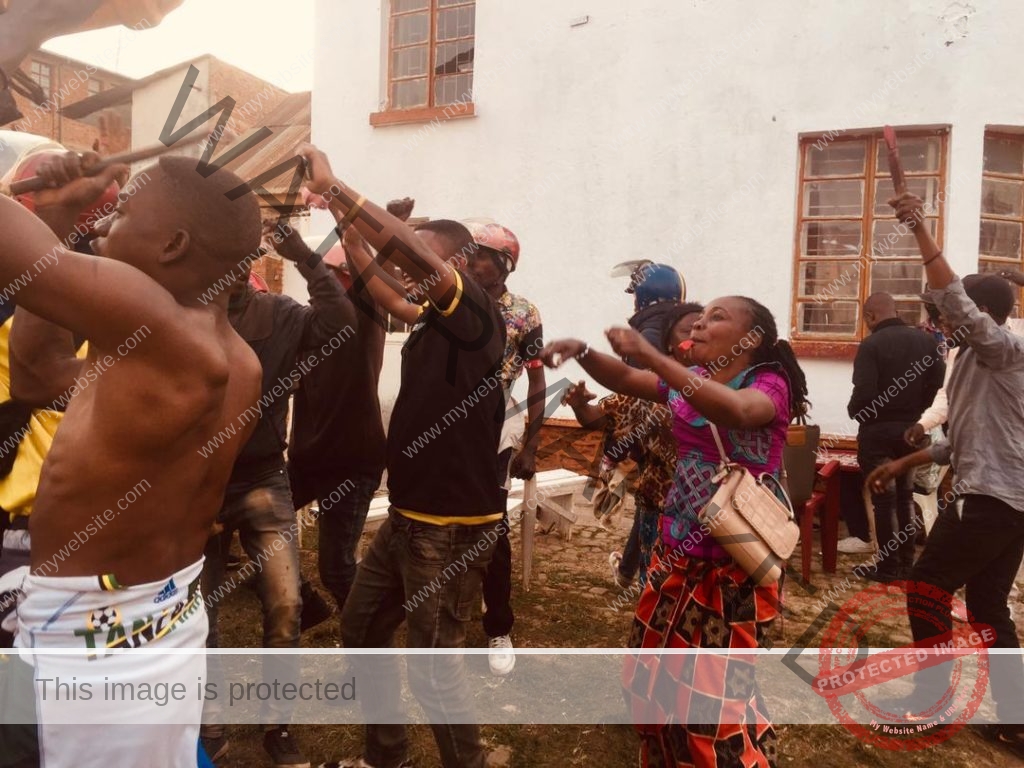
<point x="747" y="381"/>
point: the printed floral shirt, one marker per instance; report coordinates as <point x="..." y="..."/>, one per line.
<point x="524" y="336"/>
<point x="641" y="430"/>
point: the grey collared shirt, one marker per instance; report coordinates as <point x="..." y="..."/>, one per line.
<point x="986" y="403"/>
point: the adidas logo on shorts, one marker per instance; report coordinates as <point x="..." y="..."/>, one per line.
<point x="169" y="591"/>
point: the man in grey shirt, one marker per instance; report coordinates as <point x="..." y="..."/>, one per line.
<point x="981" y="544"/>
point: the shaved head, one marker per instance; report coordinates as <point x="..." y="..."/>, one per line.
<point x="879" y="307"/>
<point x="225" y="230"/>
<point x="881" y="303"/>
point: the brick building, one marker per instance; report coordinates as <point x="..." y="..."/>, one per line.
<point x="65" y="82"/>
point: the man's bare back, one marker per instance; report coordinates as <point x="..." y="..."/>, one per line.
<point x="125" y="489"/>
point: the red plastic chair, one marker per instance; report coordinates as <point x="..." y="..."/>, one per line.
<point x="825" y="499"/>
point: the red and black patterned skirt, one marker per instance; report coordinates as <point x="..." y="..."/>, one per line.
<point x="700" y="710"/>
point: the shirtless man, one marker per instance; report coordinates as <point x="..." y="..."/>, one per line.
<point x="126" y="500"/>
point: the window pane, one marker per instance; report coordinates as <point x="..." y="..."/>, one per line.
<point x="925" y="187"/>
<point x="829" y="278"/>
<point x="41" y="74"/>
<point x="834" y="198"/>
<point x="844" y="158"/>
<point x="1002" y="198"/>
<point x="401" y="6"/>
<point x="409" y="30"/>
<point x="987" y="265"/>
<point x="910" y="312"/>
<point x="831" y="238"/>
<point x="888" y="243"/>
<point x="94" y="87"/>
<point x="449" y="90"/>
<point x="408" y="62"/>
<point x="900" y="278"/>
<point x="409" y="93"/>
<point x="443" y="3"/>
<point x="452" y="58"/>
<point x="832" y="317"/>
<point x="467" y="21"/>
<point x="1000" y="239"/>
<point x="455" y="23"/>
<point x="1004" y="156"/>
<point x="919" y="154"/>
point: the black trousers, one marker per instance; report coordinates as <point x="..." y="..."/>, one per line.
<point x="982" y="551"/>
<point x="894" y="507"/>
<point x="497" y="586"/>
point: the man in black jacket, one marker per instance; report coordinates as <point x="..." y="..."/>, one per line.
<point x="290" y="339"/>
<point x="896" y="374"/>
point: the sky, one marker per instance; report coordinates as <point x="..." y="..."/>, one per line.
<point x="255" y="35"/>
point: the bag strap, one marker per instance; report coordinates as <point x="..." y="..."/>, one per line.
<point x="718" y="442"/>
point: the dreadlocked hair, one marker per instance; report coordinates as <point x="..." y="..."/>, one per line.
<point x="778" y="351"/>
<point x="672" y="318"/>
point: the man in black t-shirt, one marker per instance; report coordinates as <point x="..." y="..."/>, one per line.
<point x="426" y="562"/>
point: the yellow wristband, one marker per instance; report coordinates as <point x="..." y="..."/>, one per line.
<point x="354" y="211"/>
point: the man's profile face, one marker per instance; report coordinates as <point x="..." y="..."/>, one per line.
<point x="140" y="227"/>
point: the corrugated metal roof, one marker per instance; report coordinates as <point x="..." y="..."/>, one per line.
<point x="291" y="126"/>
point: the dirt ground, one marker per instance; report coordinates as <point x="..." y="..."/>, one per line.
<point x="568" y="607"/>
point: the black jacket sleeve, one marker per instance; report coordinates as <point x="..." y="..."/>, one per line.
<point x="329" y="312"/>
<point x="865" y="379"/>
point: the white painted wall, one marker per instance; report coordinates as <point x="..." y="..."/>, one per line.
<point x="608" y="141"/>
<point x="151" y="104"/>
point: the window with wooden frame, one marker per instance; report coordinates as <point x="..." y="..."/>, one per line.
<point x="848" y="243"/>
<point x="42" y="74"/>
<point x="1002" y="204"/>
<point x="431" y="47"/>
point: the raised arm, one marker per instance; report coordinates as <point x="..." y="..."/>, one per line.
<point x="605" y="369"/>
<point x="42" y="355"/>
<point x="392" y="238"/>
<point x="377" y="281"/>
<point x="330" y="310"/>
<point x="43" y="360"/>
<point x="995" y="345"/>
<point x="734" y="408"/>
<point x="102" y="300"/>
<point x="910" y="211"/>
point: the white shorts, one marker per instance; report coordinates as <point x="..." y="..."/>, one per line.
<point x="119" y="699"/>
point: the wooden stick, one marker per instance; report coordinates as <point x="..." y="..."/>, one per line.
<point x="899" y="181"/>
<point x="38" y="183"/>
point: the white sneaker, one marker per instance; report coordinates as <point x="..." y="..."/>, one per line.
<point x="854" y="545"/>
<point x="502" y="657"/>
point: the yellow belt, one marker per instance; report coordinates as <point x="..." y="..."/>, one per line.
<point x="441" y="520"/>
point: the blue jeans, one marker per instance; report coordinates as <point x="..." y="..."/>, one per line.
<point x="342" y="517"/>
<point x="428" y="576"/>
<point x="262" y="513"/>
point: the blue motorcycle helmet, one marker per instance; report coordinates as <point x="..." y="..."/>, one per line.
<point x="651" y="283"/>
